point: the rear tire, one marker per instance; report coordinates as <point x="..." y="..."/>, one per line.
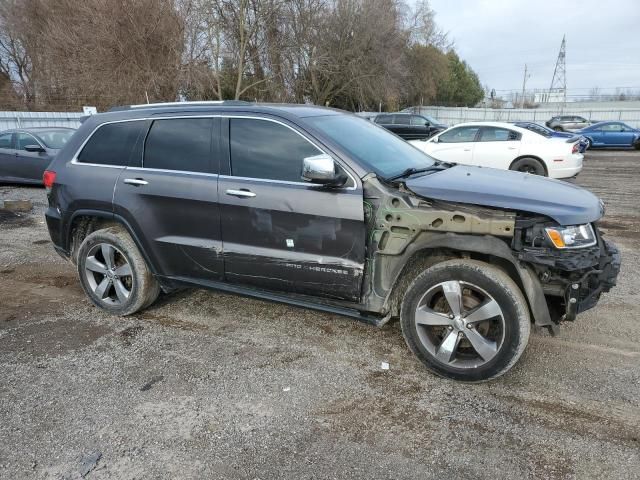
<point x="529" y="165"/>
<point x="488" y="333"/>
<point x="113" y="273"/>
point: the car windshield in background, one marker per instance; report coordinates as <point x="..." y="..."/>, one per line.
<point x="373" y="146"/>
<point x="54" y="139"/>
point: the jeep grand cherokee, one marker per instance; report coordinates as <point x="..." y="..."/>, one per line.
<point x="319" y="208"/>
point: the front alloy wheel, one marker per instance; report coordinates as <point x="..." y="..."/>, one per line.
<point x="466" y="320"/>
<point x="460" y="324"/>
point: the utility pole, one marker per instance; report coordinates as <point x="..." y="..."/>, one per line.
<point x="524" y="85"/>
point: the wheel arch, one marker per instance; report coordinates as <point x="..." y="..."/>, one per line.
<point x="486" y="248"/>
<point x="85" y="221"/>
<point x="535" y="157"/>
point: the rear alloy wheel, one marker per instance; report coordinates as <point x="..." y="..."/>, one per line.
<point x="465" y="320"/>
<point x="589" y="143"/>
<point x="529" y="165"/>
<point x="113" y="273"/>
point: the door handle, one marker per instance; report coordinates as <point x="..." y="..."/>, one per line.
<point x="240" y="193"/>
<point x="135" y="181"/>
<point x="512" y="148"/>
<point x="467" y="149"/>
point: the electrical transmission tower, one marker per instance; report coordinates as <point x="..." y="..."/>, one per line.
<point x="558" y="89"/>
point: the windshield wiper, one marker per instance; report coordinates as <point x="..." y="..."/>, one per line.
<point x="436" y="167"/>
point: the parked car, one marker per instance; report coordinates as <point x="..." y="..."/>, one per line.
<point x="505" y="146"/>
<point x="611" y="134"/>
<point x="567" y="123"/>
<point x="548" y="133"/>
<point x="409" y="126"/>
<point x="25" y="153"/>
<point x="319" y="208"/>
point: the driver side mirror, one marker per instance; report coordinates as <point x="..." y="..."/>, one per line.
<point x="321" y="170"/>
<point x="33" y="148"/>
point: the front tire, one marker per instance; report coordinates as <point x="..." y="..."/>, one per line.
<point x="529" y="165"/>
<point x="113" y="272"/>
<point x="465" y="320"/>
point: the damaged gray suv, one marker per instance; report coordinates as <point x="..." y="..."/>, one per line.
<point x="321" y="209"/>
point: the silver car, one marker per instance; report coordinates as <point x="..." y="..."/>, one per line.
<point x="567" y="123"/>
<point x="25" y="153"/>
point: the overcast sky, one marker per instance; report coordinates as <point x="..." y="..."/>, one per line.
<point x="497" y="37"/>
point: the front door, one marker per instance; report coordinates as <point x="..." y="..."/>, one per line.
<point x="171" y="198"/>
<point x="455" y="145"/>
<point x="279" y="232"/>
<point x="29" y="165"/>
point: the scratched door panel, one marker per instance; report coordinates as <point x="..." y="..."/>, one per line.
<point x="293" y="237"/>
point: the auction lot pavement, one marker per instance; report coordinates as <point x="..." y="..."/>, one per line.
<point x="210" y="385"/>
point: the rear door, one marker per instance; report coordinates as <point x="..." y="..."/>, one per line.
<point x="7" y="155"/>
<point x="281" y="233"/>
<point x="420" y="127"/>
<point x="496" y="147"/>
<point x="402" y="126"/>
<point x="30" y="165"/>
<point x="169" y="196"/>
<point x="455" y="145"/>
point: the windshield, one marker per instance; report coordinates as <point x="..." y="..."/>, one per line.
<point x="371" y="145"/>
<point x="54" y="139"/>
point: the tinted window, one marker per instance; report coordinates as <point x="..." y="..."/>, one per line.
<point x="460" y="134"/>
<point x="5" y="140"/>
<point x="180" y="144"/>
<point x="416" y="120"/>
<point x="25" y="139"/>
<point x="402" y="119"/>
<point x="384" y="119"/>
<point x="112" y="144"/>
<point x="55" y="138"/>
<point x="263" y="149"/>
<point x="371" y="146"/>
<point x="495" y="134"/>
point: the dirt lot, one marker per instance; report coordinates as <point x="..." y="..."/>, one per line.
<point x="209" y="385"/>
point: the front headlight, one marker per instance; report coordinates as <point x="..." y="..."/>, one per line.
<point x="577" y="236"/>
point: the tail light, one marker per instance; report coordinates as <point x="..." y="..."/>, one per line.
<point x="49" y="178"/>
<point x="575" y="148"/>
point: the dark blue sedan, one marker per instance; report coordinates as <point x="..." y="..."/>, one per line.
<point x="611" y="134"/>
<point x="548" y="133"/>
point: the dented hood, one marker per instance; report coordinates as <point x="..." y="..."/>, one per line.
<point x="564" y="202"/>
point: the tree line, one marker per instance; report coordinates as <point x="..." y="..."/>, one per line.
<point x="351" y="54"/>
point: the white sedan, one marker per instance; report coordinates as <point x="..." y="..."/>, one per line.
<point x="505" y="146"/>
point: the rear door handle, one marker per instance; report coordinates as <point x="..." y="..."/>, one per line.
<point x="241" y="193"/>
<point x="135" y="181"/>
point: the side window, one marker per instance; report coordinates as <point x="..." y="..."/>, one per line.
<point x="401" y="119"/>
<point x="113" y="144"/>
<point x="566" y="119"/>
<point x="180" y="144"/>
<point x="495" y="134"/>
<point x="24" y="139"/>
<point x="611" y="127"/>
<point x="458" y="135"/>
<point x="416" y="120"/>
<point x="386" y="119"/>
<point x="5" y="140"/>
<point x="268" y="150"/>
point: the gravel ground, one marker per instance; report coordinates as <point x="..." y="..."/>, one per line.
<point x="210" y="385"/>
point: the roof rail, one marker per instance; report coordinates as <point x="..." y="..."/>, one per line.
<point x="179" y="104"/>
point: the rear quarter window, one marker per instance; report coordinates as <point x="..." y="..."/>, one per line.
<point x="113" y="144"/>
